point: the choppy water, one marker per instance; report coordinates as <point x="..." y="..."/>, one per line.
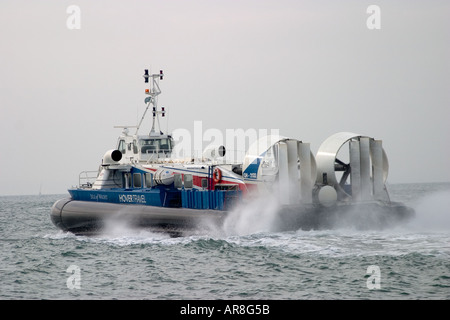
<point x="40" y="262"/>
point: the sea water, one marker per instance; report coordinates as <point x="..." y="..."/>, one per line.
<point x="245" y="261"/>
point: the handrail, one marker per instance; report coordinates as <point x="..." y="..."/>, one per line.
<point x="87" y="178"/>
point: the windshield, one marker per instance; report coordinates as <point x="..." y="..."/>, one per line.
<point x="155" y="145"/>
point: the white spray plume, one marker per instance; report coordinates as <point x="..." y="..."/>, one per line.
<point x="433" y="213"/>
<point x="119" y="226"/>
<point x="256" y="214"/>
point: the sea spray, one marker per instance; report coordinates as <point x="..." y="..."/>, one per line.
<point x="257" y="214"/>
<point x="433" y="212"/>
<point x="120" y="226"/>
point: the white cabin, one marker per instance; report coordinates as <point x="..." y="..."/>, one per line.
<point x="144" y="148"/>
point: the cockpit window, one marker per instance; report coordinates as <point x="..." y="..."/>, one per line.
<point x="122" y="147"/>
<point x="155" y="145"/>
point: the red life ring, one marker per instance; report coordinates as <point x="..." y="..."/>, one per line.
<point x="217" y="175"/>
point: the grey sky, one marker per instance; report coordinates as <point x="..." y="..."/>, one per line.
<point x="308" y="68"/>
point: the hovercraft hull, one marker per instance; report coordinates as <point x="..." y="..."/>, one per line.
<point x="371" y="215"/>
<point x="86" y="217"/>
<point x="83" y="217"/>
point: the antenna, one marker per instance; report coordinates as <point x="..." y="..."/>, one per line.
<point x="152" y="99"/>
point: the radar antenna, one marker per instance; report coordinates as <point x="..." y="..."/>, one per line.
<point x="152" y="100"/>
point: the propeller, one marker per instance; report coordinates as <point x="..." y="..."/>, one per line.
<point x="339" y="165"/>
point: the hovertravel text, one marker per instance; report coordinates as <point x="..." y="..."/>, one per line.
<point x="132" y="198"/>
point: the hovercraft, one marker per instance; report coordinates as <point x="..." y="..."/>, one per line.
<point x="140" y="184"/>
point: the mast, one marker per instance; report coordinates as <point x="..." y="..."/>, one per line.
<point x="152" y="100"/>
